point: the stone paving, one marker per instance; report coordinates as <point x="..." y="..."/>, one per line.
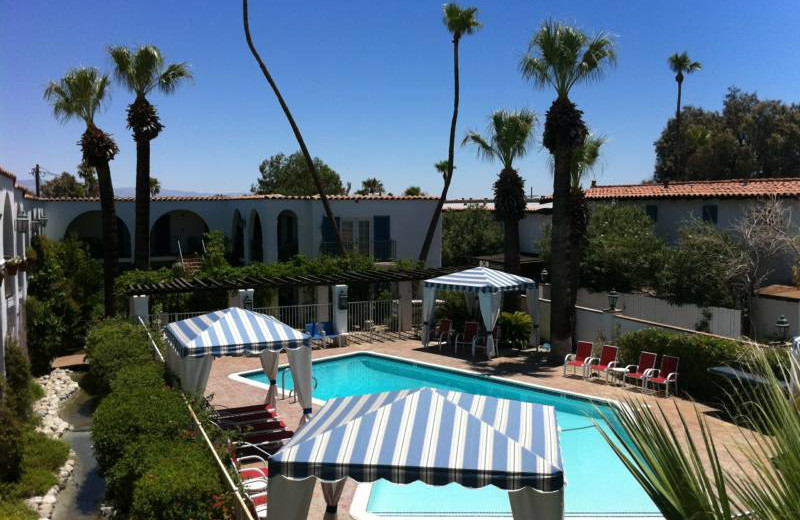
<point x="228" y="392"/>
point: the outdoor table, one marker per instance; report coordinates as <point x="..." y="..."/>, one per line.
<point x="618" y="374"/>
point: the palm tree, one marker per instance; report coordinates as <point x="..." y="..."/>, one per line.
<point x="371" y="186"/>
<point x="561" y="56"/>
<point x="509" y="136"/>
<point x="79" y="95"/>
<point x="141" y="71"/>
<point x="312" y="167"/>
<point x="459" y="21"/>
<point x="680" y="64"/>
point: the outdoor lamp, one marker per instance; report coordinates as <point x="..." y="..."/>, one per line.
<point x="782" y="326"/>
<point x="544" y="274"/>
<point x="613" y="296"/>
<point x="22" y="221"/>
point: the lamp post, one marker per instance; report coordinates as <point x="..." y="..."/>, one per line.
<point x="544" y="275"/>
<point x="782" y="326"/>
<point x="613" y="297"/>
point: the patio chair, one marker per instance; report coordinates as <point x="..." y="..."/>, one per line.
<point x="441" y="333"/>
<point x="480" y="344"/>
<point x="468" y="337"/>
<point x="253" y="478"/>
<point x="639" y="373"/>
<point x="665" y="375"/>
<point x="579" y="358"/>
<point x="258" y="504"/>
<point x="235" y="412"/>
<point x="603" y="364"/>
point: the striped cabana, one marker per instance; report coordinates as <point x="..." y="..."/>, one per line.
<point x="487" y="286"/>
<point x="433" y="435"/>
<point x="194" y="342"/>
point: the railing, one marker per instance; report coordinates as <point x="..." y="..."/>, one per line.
<point x="297" y="316"/>
<point x="380" y="250"/>
<point x="374" y="320"/>
<point x="180" y="251"/>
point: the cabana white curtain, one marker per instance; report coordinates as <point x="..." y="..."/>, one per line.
<point x="300" y="365"/>
<point x="269" y="363"/>
<point x="490" y="311"/>
<point x="532" y="295"/>
<point x="532" y="504"/>
<point x="428" y="310"/>
<point x="332" y="492"/>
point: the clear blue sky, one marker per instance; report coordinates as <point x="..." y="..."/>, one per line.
<point x="370" y="82"/>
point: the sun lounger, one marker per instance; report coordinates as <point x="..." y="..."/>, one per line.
<point x="603" y="364"/>
<point x="665" y="375"/>
<point x="578" y="360"/>
<point x="638" y="373"/>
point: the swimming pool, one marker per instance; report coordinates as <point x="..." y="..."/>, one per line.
<point x="597" y="483"/>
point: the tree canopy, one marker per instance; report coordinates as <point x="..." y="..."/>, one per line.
<point x="749" y="138"/>
<point x="413" y="191"/>
<point x="371" y="186"/>
<point x="289" y="175"/>
<point x="469" y="233"/>
<point x="64" y="185"/>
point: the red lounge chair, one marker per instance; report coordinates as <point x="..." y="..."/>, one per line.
<point x="645" y="368"/>
<point x="579" y="358"/>
<point x="221" y="411"/>
<point x="666" y="374"/>
<point x="480" y="344"/>
<point x="441" y="334"/>
<point x="258" y="505"/>
<point x="606" y="361"/>
<point x="469" y="337"/>
<point x="253" y="478"/>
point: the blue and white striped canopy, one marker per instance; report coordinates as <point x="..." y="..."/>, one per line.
<point x="231" y="332"/>
<point x="481" y="279"/>
<point x="433" y="435"/>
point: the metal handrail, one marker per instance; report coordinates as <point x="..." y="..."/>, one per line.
<point x="314" y="384"/>
<point x="180" y="250"/>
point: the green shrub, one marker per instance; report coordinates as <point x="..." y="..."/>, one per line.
<point x="182" y="483"/>
<point x="16" y="509"/>
<point x="10" y="446"/>
<point x="45" y="329"/>
<point x="19" y="397"/>
<point x="147" y="376"/>
<point x="111" y="345"/>
<point x="39" y="456"/>
<point x="125" y="415"/>
<point x="697" y="353"/>
<point x="516" y="328"/>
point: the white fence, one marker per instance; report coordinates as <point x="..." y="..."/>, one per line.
<point x="374" y="320"/>
<point x="298" y="316"/>
<point x="716" y="320"/>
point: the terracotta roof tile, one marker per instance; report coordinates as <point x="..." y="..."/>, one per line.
<point x="270" y="196"/>
<point x="784" y="187"/>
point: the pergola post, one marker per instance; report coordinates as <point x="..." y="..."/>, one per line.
<point x="405" y="292"/>
<point x="139" y="307"/>
<point x="322" y="299"/>
<point x="242" y="298"/>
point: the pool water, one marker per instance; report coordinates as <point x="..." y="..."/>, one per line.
<point x="597" y="482"/>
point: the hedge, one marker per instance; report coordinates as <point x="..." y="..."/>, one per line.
<point x="111" y="345"/>
<point x="697" y="353"/>
<point x="150" y="375"/>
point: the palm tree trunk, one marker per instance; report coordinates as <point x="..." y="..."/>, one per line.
<point x="110" y="241"/>
<point x="579" y="217"/>
<point x="678" y="159"/>
<point x="560" y="312"/>
<point x="426" y="245"/>
<point x="309" y="161"/>
<point x="142" y="247"/>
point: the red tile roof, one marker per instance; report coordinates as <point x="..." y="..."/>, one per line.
<point x="735" y="188"/>
<point x="270" y="196"/>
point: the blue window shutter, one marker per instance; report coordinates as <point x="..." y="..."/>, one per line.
<point x="382" y="237"/>
<point x="328" y="236"/>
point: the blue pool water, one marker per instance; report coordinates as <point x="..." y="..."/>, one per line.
<point x="597" y="483"/>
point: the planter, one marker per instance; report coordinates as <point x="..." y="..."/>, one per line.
<point x="12" y="269"/>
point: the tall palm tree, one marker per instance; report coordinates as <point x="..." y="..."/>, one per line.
<point x="141" y="71"/>
<point x="509" y="136"/>
<point x="681" y="65"/>
<point x="459" y="21"/>
<point x="79" y="95"/>
<point x="312" y="167"/>
<point x="560" y="56"/>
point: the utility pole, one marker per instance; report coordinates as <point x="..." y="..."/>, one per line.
<point x="37" y="176"/>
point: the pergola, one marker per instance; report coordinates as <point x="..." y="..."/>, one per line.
<point x="488" y="286"/>
<point x="195" y="342"/>
<point x="432" y="435"/>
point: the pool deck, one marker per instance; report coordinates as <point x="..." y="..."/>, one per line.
<point x="232" y="393"/>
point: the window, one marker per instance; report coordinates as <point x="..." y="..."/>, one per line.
<point x="652" y="212"/>
<point x="710" y="213"/>
<point x="356" y="234"/>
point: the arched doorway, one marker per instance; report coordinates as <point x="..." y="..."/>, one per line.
<point x="287" y="235"/>
<point x="256" y="238"/>
<point x="237" y="245"/>
<point x="177" y="232"/>
<point x="88" y="228"/>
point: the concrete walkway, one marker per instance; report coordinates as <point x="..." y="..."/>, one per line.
<point x="727" y="436"/>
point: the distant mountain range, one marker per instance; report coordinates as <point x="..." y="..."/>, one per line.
<point x="130" y="192"/>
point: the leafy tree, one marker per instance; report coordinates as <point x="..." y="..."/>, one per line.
<point x="89" y="178"/>
<point x="141" y="71"/>
<point x="749" y="138"/>
<point x="510" y="134"/>
<point x="459" y="21"/>
<point x="469" y="233"/>
<point x="65" y="185"/>
<point x="311" y="164"/>
<point x="289" y="175"/>
<point x="79" y="95"/>
<point x="413" y="191"/>
<point x="371" y="186"/>
<point x="155" y="187"/>
<point x="560" y="56"/>
<point x="681" y="65"/>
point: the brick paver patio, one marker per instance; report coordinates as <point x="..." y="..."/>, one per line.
<point x="232" y="393"/>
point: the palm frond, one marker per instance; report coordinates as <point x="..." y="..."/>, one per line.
<point x="79" y="94"/>
<point x="142" y="69"/>
<point x="482" y="146"/>
<point x="460" y="21"/>
<point x="681" y="63"/>
<point x="173" y="75"/>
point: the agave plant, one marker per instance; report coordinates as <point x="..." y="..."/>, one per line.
<point x="682" y="472"/>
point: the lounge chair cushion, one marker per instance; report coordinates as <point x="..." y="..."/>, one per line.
<point x="659" y="380"/>
<point x="575" y="363"/>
